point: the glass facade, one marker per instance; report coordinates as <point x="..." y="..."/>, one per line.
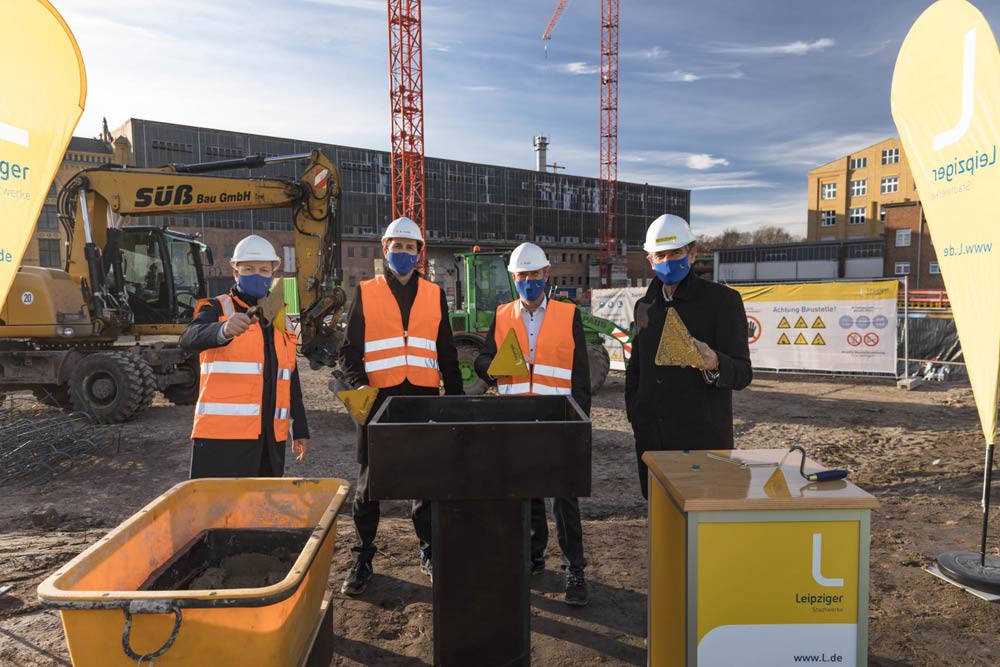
<point x="466" y="202"/>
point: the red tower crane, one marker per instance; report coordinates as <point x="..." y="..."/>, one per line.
<point x="406" y="101"/>
<point x="555" y="19"/>
<point x="609" y="139"/>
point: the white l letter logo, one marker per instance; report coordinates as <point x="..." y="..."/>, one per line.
<point x="817" y="565"/>
<point x="948" y="137"/>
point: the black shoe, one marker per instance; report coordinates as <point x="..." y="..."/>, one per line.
<point x="537" y="567"/>
<point x="357" y="579"/>
<point x="427" y="567"/>
<point x="576" y="589"/>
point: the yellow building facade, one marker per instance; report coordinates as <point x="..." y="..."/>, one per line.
<point x="847" y="196"/>
<point x="47" y="247"/>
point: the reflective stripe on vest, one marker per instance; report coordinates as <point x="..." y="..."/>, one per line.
<point x="393" y="355"/>
<point x="232" y="384"/>
<point x="552" y="367"/>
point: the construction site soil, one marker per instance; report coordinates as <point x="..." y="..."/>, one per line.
<point x="919" y="452"/>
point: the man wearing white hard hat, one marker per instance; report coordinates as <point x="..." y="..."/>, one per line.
<point x="675" y="407"/>
<point x="550" y="335"/>
<point x="250" y="399"/>
<point x="399" y="341"/>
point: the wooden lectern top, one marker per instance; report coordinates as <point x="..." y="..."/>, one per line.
<point x="748" y="479"/>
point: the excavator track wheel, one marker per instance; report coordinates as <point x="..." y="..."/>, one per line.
<point x="108" y="386"/>
<point x="600" y="365"/>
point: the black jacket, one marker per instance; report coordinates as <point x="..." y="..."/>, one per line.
<point x="202" y="334"/>
<point x="698" y="414"/>
<point x="353" y="349"/>
<point x="581" y="363"/>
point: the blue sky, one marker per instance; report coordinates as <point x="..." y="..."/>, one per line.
<point x="734" y="99"/>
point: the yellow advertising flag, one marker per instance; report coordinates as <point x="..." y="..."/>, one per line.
<point x="44" y="89"/>
<point x="946" y="105"/>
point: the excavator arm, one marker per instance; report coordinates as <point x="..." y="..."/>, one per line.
<point x="93" y="204"/>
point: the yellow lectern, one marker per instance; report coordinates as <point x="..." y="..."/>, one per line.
<point x="752" y="565"/>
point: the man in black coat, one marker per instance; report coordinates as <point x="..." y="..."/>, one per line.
<point x="673" y="407"/>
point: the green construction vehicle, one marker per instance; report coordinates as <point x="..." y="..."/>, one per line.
<point x="484" y="284"/>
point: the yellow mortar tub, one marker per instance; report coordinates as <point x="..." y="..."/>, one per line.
<point x="104" y="615"/>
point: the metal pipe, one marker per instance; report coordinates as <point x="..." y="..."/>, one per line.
<point x="906" y="326"/>
<point x="87" y="234"/>
<point x="987" y="481"/>
<point x="248" y="162"/>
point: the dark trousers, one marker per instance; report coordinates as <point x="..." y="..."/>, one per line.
<point x="366" y="517"/>
<point x="569" y="531"/>
<point x="652" y="437"/>
<point x="237" y="458"/>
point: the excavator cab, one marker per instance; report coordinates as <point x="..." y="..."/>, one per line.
<point x="161" y="273"/>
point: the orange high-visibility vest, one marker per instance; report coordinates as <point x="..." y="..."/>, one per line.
<point x="393" y="354"/>
<point x="552" y="367"/>
<point x="232" y="384"/>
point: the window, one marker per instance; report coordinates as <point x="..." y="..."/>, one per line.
<point x="859" y="188"/>
<point x="858" y="215"/>
<point x="48" y="221"/>
<point x="903" y="238"/>
<point x="934" y="269"/>
<point x="902" y="268"/>
<point x="829" y="190"/>
<point x="827" y="218"/>
<point x="859" y="162"/>
<point x="350" y="251"/>
<point x="890" y="156"/>
<point x="48" y="253"/>
<point x="881" y="213"/>
<point x="890" y="184"/>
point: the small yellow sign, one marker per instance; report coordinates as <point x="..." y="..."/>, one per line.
<point x="784" y="340"/>
<point x="783" y="324"/>
<point x="801" y="340"/>
<point x="509" y="359"/>
<point x="818" y="323"/>
<point x="676" y="346"/>
<point x="359" y="402"/>
<point x="818" y="340"/>
<point x="801" y="323"/>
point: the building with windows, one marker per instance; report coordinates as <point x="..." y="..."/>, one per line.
<point x="909" y="250"/>
<point x="47" y="247"/>
<point x="467" y="204"/>
<point x="848" y="196"/>
<point x="796" y="262"/>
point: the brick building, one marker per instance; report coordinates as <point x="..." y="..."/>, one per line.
<point x="909" y="250"/>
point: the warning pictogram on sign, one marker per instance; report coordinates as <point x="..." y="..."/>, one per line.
<point x="818" y="340"/>
<point x="871" y="339"/>
<point x="801" y="323"/>
<point x="783" y="324"/>
<point x="754" y="330"/>
<point x="784" y="340"/>
<point x="801" y="340"/>
<point x="854" y="339"/>
<point x="818" y="323"/>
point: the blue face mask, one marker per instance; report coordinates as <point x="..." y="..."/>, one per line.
<point x="401" y="263"/>
<point x="254" y="285"/>
<point x="530" y="289"/>
<point x="672" y="271"/>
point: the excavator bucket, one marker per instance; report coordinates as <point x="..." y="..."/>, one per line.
<point x="509" y="359"/>
<point x="45" y="88"/>
<point x="676" y="346"/>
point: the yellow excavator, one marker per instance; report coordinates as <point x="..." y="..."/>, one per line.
<point x="100" y="335"/>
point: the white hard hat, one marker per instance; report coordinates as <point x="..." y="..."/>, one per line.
<point x="255" y="249"/>
<point x="403" y="228"/>
<point x="527" y="257"/>
<point x="668" y="232"/>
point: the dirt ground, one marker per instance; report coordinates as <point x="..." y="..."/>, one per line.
<point x="920" y="452"/>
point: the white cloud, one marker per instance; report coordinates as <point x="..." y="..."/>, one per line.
<point x="798" y="48"/>
<point x="872" y="50"/>
<point x="370" y="5"/>
<point x="652" y="53"/>
<point x="702" y="161"/>
<point x="579" y="68"/>
<point x="813" y="150"/>
<point x="680" y="76"/>
<point x="785" y="211"/>
<point x="482" y="89"/>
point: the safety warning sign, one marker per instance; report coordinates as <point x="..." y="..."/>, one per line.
<point x="803" y="315"/>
